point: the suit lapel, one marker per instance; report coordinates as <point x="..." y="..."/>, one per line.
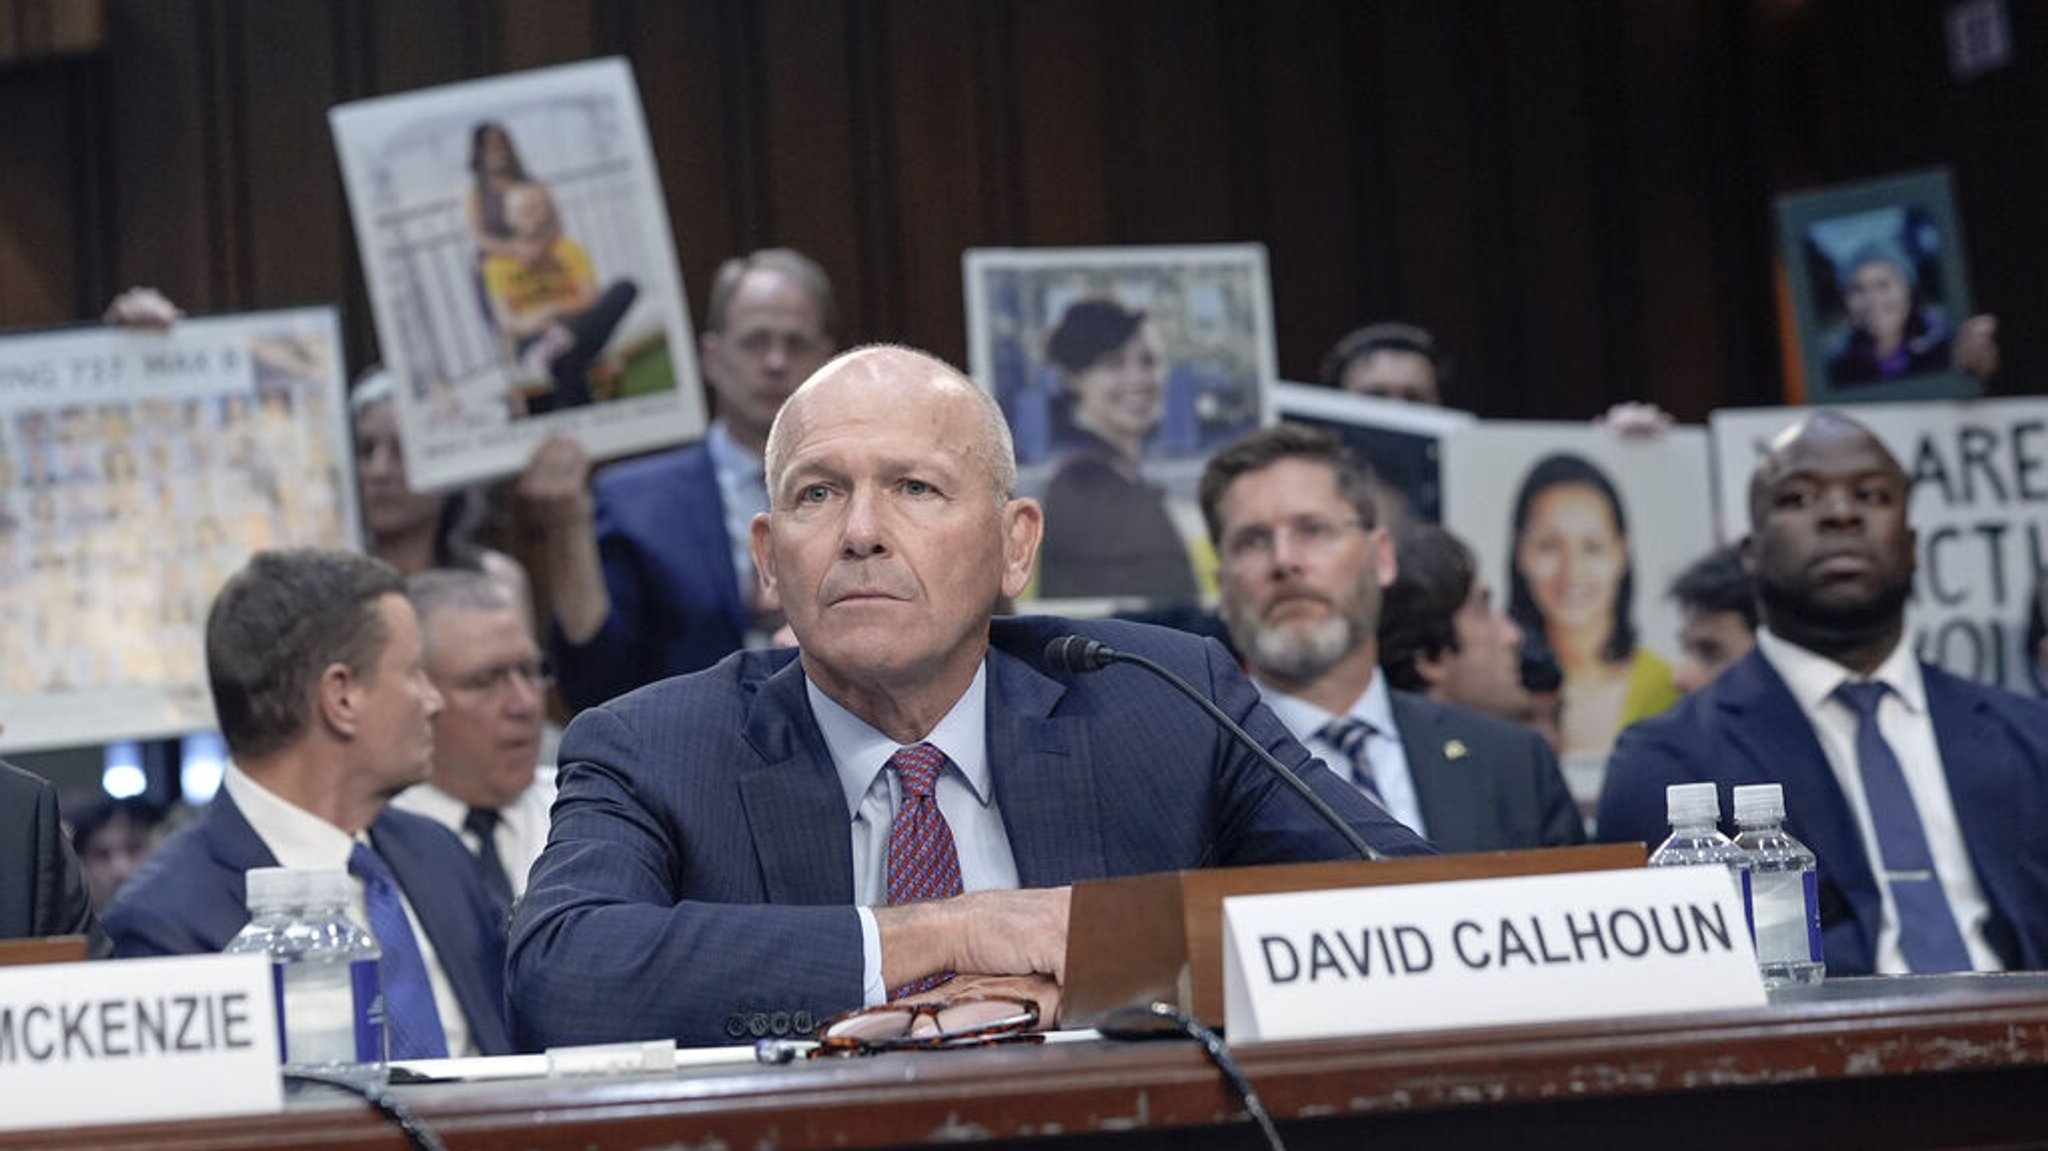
<point x="795" y="806"/>
<point x="705" y="527"/>
<point x="1766" y="724"/>
<point x="1044" y="779"/>
<point x="1447" y="796"/>
<point x="1982" y="781"/>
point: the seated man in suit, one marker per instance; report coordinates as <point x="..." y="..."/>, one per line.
<point x="314" y="661"/>
<point x="1922" y="795"/>
<point x="486" y="786"/>
<point x="1717" y="614"/>
<point x="648" y="569"/>
<point x="1303" y="562"/>
<point x="42" y="890"/>
<point x="751" y="849"/>
<point x="1440" y="634"/>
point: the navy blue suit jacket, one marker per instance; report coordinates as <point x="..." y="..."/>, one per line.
<point x="1484" y="784"/>
<point x="699" y="873"/>
<point x="1746" y="727"/>
<point x="41" y="889"/>
<point x="676" y="605"/>
<point x="189" y="899"/>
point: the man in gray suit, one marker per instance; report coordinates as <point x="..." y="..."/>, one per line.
<point x="1303" y="564"/>
<point x="41" y="889"/>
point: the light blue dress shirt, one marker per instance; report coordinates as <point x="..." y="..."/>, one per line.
<point x="1388" y="757"/>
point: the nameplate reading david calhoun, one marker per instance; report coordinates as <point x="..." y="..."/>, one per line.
<point x="136" y="1040"/>
<point x="1486" y="952"/>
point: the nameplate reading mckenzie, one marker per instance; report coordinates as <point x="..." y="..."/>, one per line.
<point x="137" y="1040"/>
<point x="1485" y="952"/>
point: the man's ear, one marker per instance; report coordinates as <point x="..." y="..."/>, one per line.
<point x="338" y="700"/>
<point x="1433" y="669"/>
<point x="1023" y="531"/>
<point x="759" y="536"/>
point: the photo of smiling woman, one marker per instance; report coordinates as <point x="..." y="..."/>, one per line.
<point x="1107" y="531"/>
<point x="1891" y="331"/>
<point x="1571" y="590"/>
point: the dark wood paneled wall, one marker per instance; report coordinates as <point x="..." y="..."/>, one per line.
<point x="1574" y="195"/>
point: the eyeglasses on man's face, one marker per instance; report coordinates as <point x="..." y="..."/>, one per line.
<point x="537" y="674"/>
<point x="1258" y="543"/>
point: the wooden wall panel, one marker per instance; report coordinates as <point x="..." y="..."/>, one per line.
<point x="1573" y="193"/>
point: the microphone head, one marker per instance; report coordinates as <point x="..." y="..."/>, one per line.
<point x="1077" y="653"/>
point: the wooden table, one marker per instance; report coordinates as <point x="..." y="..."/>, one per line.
<point x="1875" y="1063"/>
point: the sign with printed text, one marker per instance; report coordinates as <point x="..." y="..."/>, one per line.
<point x="1979" y="511"/>
<point x="1485" y="952"/>
<point x="138" y="1040"/>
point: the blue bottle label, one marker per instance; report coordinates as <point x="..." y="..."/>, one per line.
<point x="369" y="1010"/>
<point x="284" y="1054"/>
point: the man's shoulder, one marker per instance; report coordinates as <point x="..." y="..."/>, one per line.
<point x="660" y="470"/>
<point x="1468" y="723"/>
<point x="698" y="696"/>
<point x="2017" y="711"/>
<point x="1026" y="637"/>
<point x="19" y="786"/>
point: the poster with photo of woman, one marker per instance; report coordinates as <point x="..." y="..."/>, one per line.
<point x="1584" y="530"/>
<point x="1880" y="291"/>
<point x="517" y="250"/>
<point x="1120" y="370"/>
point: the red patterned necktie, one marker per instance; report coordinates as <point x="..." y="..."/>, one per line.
<point x="923" y="863"/>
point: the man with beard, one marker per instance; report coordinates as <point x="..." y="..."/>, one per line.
<point x="1923" y="795"/>
<point x="1303" y="564"/>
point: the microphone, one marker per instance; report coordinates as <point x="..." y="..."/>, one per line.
<point x="1078" y="653"/>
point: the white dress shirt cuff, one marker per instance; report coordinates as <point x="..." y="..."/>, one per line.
<point x="872" y="991"/>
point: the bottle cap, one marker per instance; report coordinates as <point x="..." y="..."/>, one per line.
<point x="274" y="889"/>
<point x="1759" y="801"/>
<point x="326" y="886"/>
<point x="1692" y="803"/>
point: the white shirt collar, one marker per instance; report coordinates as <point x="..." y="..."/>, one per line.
<point x="1375" y="707"/>
<point x="1813" y="677"/>
<point x="297" y="837"/>
<point x="861" y="753"/>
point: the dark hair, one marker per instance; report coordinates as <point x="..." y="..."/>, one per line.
<point x="1715" y="582"/>
<point x="1558" y="471"/>
<point x="1268" y="446"/>
<point x="1089" y="330"/>
<point x="725" y="284"/>
<point x="1418" y="610"/>
<point x="1389" y="336"/>
<point x="99" y="816"/>
<point x="476" y="149"/>
<point x="275" y="628"/>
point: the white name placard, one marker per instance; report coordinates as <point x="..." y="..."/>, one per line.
<point x="1485" y="952"/>
<point x="137" y="1039"/>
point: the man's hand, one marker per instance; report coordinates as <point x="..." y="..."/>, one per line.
<point x="142" y="308"/>
<point x="1040" y="989"/>
<point x="556" y="484"/>
<point x="1976" y="347"/>
<point x="982" y="933"/>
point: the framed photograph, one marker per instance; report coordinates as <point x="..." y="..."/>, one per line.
<point x="1402" y="444"/>
<point x="1879" y="288"/>
<point x="1121" y="370"/>
<point x="520" y="266"/>
<point x="1979" y="511"/>
<point x="138" y="470"/>
<point x="1579" y="530"/>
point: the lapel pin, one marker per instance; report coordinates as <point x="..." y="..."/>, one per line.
<point x="1456" y="749"/>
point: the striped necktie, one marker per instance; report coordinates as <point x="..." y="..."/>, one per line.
<point x="1349" y="735"/>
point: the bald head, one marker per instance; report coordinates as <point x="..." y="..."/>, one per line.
<point x="894" y="379"/>
<point x="1824" y="434"/>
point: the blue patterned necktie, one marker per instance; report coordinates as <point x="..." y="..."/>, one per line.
<point x="411" y="1018"/>
<point x="1927" y="925"/>
<point x="482" y="822"/>
<point x="1349" y="735"/>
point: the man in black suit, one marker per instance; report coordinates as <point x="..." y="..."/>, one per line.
<point x="1303" y="563"/>
<point x="41" y="889"/>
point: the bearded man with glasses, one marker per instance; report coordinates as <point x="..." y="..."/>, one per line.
<point x="1303" y="565"/>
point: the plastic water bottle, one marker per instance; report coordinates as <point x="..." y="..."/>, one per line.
<point x="1696" y="840"/>
<point x="324" y="967"/>
<point x="1784" y="892"/>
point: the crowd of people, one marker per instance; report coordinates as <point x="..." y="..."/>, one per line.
<point x="817" y="763"/>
